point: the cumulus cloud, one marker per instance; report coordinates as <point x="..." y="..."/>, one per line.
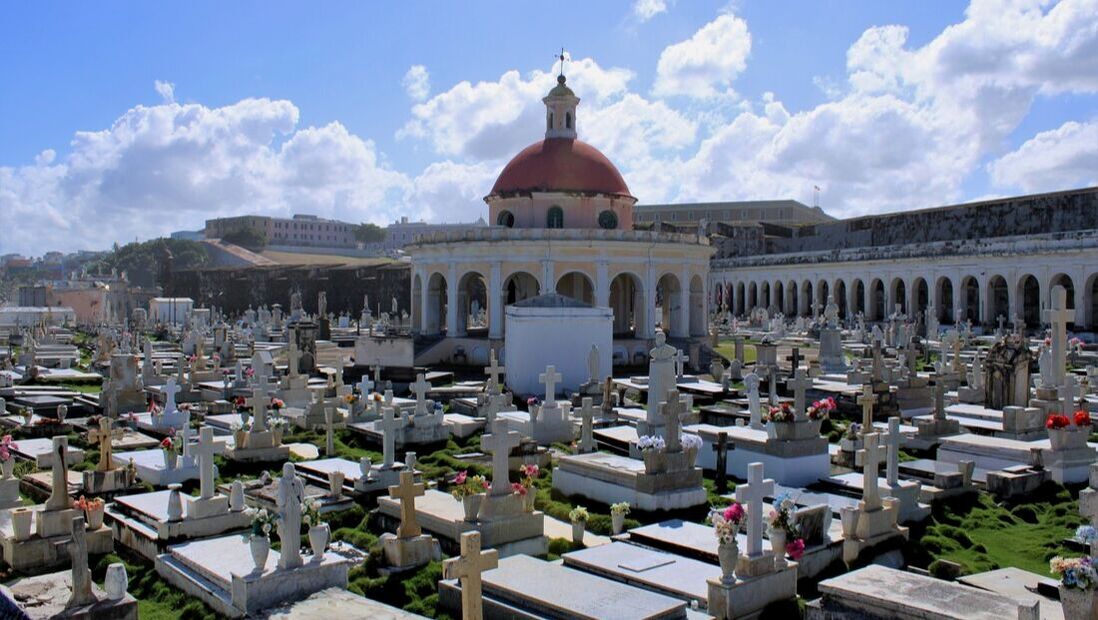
<point x="169" y="167"/>
<point x="705" y="65"/>
<point x="417" y="82"/>
<point x="166" y="90"/>
<point x="645" y="10"/>
<point x="1063" y="158"/>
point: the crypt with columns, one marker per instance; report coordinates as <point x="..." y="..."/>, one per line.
<point x="561" y="221"/>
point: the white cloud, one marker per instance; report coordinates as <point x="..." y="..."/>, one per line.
<point x="645" y="10"/>
<point x="169" y="167"/>
<point x="166" y="90"/>
<point x="417" y="83"/>
<point x="705" y="65"/>
<point x="1062" y="158"/>
<point x="448" y="191"/>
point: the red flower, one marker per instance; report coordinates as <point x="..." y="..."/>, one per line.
<point x="516" y="487"/>
<point x="460" y="477"/>
<point x="1082" y="418"/>
<point x="167" y="443"/>
<point x="734" y="513"/>
<point x="795" y="549"/>
<point x="1057" y="421"/>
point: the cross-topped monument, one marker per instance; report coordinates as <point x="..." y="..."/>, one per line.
<point x="1070" y="393"/>
<point x="672" y="412"/>
<point x="388" y="425"/>
<point x="204" y="452"/>
<point x="365" y="386"/>
<point x="420" y="388"/>
<point x="406" y="493"/>
<point x="587" y="416"/>
<point x="104" y="435"/>
<point x="259" y="408"/>
<point x="867" y="399"/>
<point x="799" y="383"/>
<point x="871" y="460"/>
<point x="751" y="495"/>
<point x="500" y="442"/>
<point x="169" y="390"/>
<point x="549" y="378"/>
<point x="680" y="364"/>
<point x="495" y="371"/>
<point x="467" y="569"/>
<point x="1057" y="318"/>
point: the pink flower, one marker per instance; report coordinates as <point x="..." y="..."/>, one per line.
<point x="734" y="513"/>
<point x="460" y="477"/>
<point x="516" y="487"/>
<point x="795" y="549"/>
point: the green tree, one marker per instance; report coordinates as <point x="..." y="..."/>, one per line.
<point x="369" y="233"/>
<point x="143" y="262"/>
<point x="246" y="237"/>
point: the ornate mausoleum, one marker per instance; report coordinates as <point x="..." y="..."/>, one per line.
<point x="560" y="220"/>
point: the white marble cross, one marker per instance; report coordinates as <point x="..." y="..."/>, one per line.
<point x="329" y="431"/>
<point x="680" y="363"/>
<point x="467" y="568"/>
<point x="294" y="359"/>
<point x="871" y="460"/>
<point x="420" y="388"/>
<point x="82" y="594"/>
<point x="407" y="492"/>
<point x="1070" y="393"/>
<point x="751" y="495"/>
<point x="365" y="386"/>
<point x="549" y="378"/>
<point x="500" y="442"/>
<point x="204" y="452"/>
<point x="259" y="408"/>
<point x="892" y="468"/>
<point x="170" y="389"/>
<point x="939" y="397"/>
<point x="494" y="371"/>
<point x="377" y="374"/>
<point x="587" y="416"/>
<point x="389" y="425"/>
<point x="59" y="488"/>
<point x="867" y="399"/>
<point x="754" y="407"/>
<point x="1057" y="317"/>
<point x="672" y="411"/>
<point x="800" y="383"/>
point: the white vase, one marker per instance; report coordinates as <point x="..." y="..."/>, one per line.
<point x="1078" y="603"/>
<point x="8" y="468"/>
<point x="728" y="554"/>
<point x="471" y="505"/>
<point x="364" y="466"/>
<point x="617" y="522"/>
<point x="116" y="582"/>
<point x="318" y="540"/>
<point x="335" y="484"/>
<point x="240" y="437"/>
<point x="528" y="500"/>
<point x="95" y="517"/>
<point x="577" y="532"/>
<point x="236" y="496"/>
<point x="169" y="459"/>
<point x="261" y="548"/>
<point x="849" y="518"/>
<point x="777" y="545"/>
<point x="21" y="521"/>
<point x="276" y="435"/>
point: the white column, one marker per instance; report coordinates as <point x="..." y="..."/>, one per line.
<point x="495" y="302"/>
<point x="684" y="306"/>
<point x="959" y="300"/>
<point x="548" y="278"/>
<point x="424" y="307"/>
<point x="602" y="285"/>
<point x="931" y="296"/>
<point x="451" y="302"/>
<point x="1078" y="285"/>
<point x="649" y="323"/>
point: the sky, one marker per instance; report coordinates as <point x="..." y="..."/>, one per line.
<point x="127" y="121"/>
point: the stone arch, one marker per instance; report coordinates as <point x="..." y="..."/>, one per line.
<point x="752" y="297"/>
<point x="1090" y="301"/>
<point x="741" y="299"/>
<point x="472" y="295"/>
<point x="577" y="285"/>
<point x="520" y="285"/>
<point x="898" y="295"/>
<point x="857" y="291"/>
<point x="998" y="300"/>
<point x="1064" y="280"/>
<point x="876" y="310"/>
<point x="840" y="297"/>
<point x="806" y="298"/>
<point x="627" y="302"/>
<point x="921" y="291"/>
<point x="1028" y="295"/>
<point x="764" y="292"/>
<point x="669" y="301"/>
<point x="970" y="299"/>
<point x="417" y="302"/>
<point x="823" y="289"/>
<point x="697" y="306"/>
<point x="791" y="298"/>
<point x="434" y="316"/>
<point x="779" y="295"/>
<point x="944" y="295"/>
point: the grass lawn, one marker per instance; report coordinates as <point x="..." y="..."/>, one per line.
<point x="727" y="350"/>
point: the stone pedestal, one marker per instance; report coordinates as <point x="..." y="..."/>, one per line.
<point x="403" y="554"/>
<point x="107" y="482"/>
<point x="142" y="521"/>
<point x="831" y="357"/>
<point x="9" y="493"/>
<point x="259" y="446"/>
<point x="45" y="596"/>
<point x="908" y="494"/>
<point x="871" y="529"/>
<point x="44" y="549"/>
<point x="610" y="479"/>
<point x="747" y="596"/>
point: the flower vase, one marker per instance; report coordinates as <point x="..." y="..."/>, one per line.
<point x="21" y="521"/>
<point x="617" y="523"/>
<point x="1079" y="603"/>
<point x="239" y="438"/>
<point x="116" y="582"/>
<point x="335" y="483"/>
<point x="777" y="545"/>
<point x="577" y="532"/>
<point x="95" y="517"/>
<point x="691" y="457"/>
<point x="728" y="554"/>
<point x="651" y="461"/>
<point x="261" y="548"/>
<point x="169" y="459"/>
<point x="849" y="518"/>
<point x="318" y="540"/>
<point x="1067" y="438"/>
<point x="8" y="468"/>
<point x="528" y="500"/>
<point x="471" y="505"/>
<point x="276" y="435"/>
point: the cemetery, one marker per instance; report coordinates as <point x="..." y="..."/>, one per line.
<point x="623" y="445"/>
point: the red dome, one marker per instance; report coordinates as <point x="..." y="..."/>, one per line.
<point x="560" y="164"/>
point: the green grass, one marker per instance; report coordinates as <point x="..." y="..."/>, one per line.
<point x="727" y="350"/>
<point x="981" y="535"/>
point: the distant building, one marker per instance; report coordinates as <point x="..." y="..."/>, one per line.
<point x="300" y="230"/>
<point x="402" y="233"/>
<point x="188" y="235"/>
<point x="27" y="316"/>
<point x="172" y="310"/>
<point x="785" y="212"/>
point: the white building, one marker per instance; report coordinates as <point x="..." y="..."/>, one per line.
<point x="173" y="310"/>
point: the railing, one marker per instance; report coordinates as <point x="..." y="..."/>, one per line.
<point x="496" y="233"/>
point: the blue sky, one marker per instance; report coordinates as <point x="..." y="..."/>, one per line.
<point x="692" y="100"/>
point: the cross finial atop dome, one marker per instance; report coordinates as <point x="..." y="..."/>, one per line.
<point x="560" y="106"/>
<point x="561" y="57"/>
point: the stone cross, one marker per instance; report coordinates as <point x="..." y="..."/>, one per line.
<point x="59" y="491"/>
<point x="549" y="378"/>
<point x="751" y="495"/>
<point x="720" y="483"/>
<point x="754" y="407"/>
<point x="680" y="363"/>
<point x="420" y="388"/>
<point x="259" y="408"/>
<point x="672" y="412"/>
<point x="500" y="442"/>
<point x="1002" y="321"/>
<point x="587" y="416"/>
<point x="467" y="568"/>
<point x="365" y="386"/>
<point x="871" y="459"/>
<point x="867" y="399"/>
<point x="800" y="382"/>
<point x="939" y="398"/>
<point x="204" y="452"/>
<point x="104" y="436"/>
<point x="294" y="362"/>
<point x="329" y="431"/>
<point x="1069" y="394"/>
<point x="291" y="494"/>
<point x="170" y="389"/>
<point x="82" y="593"/>
<point x="494" y="371"/>
<point x="389" y="425"/>
<point x="1057" y="317"/>
<point x="795" y="358"/>
<point x="377" y="374"/>
<point x="407" y="492"/>
<point x="877" y="361"/>
<point x="892" y="467"/>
